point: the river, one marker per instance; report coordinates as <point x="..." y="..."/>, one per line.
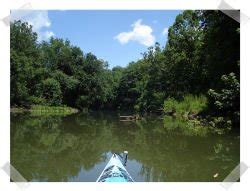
<point x="77" y="148"/>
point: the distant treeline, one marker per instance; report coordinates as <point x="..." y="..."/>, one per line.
<point x="201" y="56"/>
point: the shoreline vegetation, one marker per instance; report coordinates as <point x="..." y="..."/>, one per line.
<point x="191" y="113"/>
<point x="40" y="110"/>
<point x="195" y="77"/>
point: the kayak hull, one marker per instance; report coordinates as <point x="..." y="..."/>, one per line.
<point x="115" y="171"/>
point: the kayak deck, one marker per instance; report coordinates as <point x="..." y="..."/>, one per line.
<point x="115" y="171"/>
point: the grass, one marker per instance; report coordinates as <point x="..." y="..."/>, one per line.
<point x="17" y="110"/>
<point x="190" y="104"/>
<point x="42" y="110"/>
<point x="51" y="110"/>
<point x="181" y="111"/>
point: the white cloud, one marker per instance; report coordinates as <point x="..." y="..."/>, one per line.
<point x="165" y="32"/>
<point x="140" y="33"/>
<point x="38" y="19"/>
<point x="46" y="35"/>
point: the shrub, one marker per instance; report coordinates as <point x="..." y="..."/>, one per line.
<point x="225" y="102"/>
<point x="189" y="104"/>
<point x="52" y="91"/>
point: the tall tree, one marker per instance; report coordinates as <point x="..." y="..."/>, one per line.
<point x="183" y="54"/>
<point x="26" y="68"/>
<point x="221" y="47"/>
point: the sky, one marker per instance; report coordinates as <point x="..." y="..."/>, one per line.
<point x="117" y="37"/>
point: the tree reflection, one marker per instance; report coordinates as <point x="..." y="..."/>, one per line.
<point x="58" y="148"/>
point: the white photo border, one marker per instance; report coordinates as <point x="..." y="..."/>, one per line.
<point x="5" y="8"/>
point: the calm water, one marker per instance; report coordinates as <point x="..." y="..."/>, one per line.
<point x="77" y="148"/>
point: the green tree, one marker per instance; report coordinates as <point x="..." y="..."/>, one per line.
<point x="182" y="51"/>
<point x="221" y="47"/>
<point x="26" y="68"/>
<point x="225" y="102"/>
<point x="202" y="46"/>
<point x="52" y="91"/>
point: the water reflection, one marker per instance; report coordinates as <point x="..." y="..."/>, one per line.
<point x="77" y="148"/>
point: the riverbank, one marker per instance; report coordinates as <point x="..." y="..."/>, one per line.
<point x="192" y="111"/>
<point x="45" y="110"/>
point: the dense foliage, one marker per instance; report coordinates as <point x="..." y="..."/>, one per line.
<point x="56" y="72"/>
<point x="225" y="103"/>
<point x="203" y="47"/>
<point x="189" y="105"/>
